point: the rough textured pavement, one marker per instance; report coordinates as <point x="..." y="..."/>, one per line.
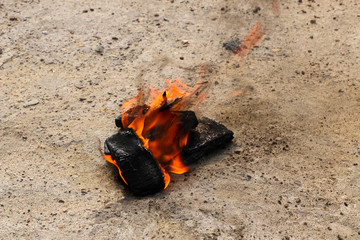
<point x="292" y="172"/>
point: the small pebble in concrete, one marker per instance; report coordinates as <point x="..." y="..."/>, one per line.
<point x="31" y="103"/>
<point x="256" y="10"/>
<point x="99" y="49"/>
<point x="185" y="42"/>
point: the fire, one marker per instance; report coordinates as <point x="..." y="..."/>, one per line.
<point x="160" y="123"/>
<point x="236" y="93"/>
<point x="250" y="41"/>
<point x="110" y="160"/>
<point x="275" y="7"/>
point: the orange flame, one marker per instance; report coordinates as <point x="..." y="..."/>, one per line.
<point x="250" y="41"/>
<point x="237" y="93"/>
<point x="275" y="8"/>
<point x="159" y="124"/>
<point x="110" y="160"/>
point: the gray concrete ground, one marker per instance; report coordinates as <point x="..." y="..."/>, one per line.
<point x="292" y="171"/>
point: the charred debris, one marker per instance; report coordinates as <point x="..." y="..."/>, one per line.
<point x="139" y="169"/>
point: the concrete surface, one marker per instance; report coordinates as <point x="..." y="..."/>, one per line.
<point x="292" y="172"/>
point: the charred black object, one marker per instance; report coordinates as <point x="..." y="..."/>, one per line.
<point x="140" y="169"/>
<point x="232" y="45"/>
<point x="207" y="137"/>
